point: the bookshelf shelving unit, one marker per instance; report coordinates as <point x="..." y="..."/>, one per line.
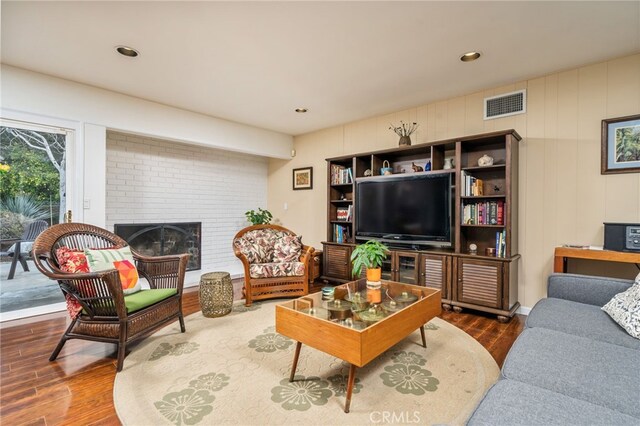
<point x="467" y="279"/>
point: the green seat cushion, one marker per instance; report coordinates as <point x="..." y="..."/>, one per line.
<point x="143" y="298"/>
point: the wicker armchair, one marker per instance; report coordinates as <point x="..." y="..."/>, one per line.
<point x="264" y="276"/>
<point x="104" y="316"/>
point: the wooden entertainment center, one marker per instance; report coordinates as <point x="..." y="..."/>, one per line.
<point x="482" y="281"/>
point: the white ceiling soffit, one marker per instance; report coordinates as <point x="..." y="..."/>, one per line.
<point x="255" y="62"/>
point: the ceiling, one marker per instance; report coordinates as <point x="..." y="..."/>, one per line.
<point x="255" y="62"/>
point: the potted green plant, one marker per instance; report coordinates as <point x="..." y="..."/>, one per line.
<point x="370" y="255"/>
<point x="260" y="217"/>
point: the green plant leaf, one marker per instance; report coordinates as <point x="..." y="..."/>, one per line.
<point x="370" y="255"/>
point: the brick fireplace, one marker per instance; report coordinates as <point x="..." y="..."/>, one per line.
<point x="152" y="181"/>
<point x="158" y="239"/>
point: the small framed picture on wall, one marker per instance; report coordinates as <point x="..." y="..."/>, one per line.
<point x="303" y="178"/>
<point x="620" y="149"/>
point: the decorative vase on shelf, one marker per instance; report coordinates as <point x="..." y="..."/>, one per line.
<point x="405" y="141"/>
<point x="485" y="161"/>
<point x="448" y="163"/>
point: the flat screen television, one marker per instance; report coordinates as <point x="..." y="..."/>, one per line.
<point x="410" y="209"/>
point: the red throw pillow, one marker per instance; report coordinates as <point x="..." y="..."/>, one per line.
<point x="72" y="261"/>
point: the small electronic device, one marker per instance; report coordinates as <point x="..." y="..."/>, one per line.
<point x="622" y="236"/>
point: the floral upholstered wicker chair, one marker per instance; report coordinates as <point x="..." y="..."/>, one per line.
<point x="276" y="263"/>
<point x="97" y="302"/>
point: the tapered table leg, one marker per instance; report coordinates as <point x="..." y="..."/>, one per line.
<point x="352" y="378"/>
<point x="295" y="361"/>
<point x="424" y="340"/>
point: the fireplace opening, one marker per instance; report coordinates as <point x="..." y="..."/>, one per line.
<point x="158" y="239"/>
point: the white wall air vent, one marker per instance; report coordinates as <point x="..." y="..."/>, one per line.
<point x="505" y="105"/>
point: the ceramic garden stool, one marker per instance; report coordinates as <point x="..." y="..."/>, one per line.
<point x="216" y="294"/>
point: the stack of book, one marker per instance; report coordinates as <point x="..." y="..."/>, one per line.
<point x="341" y="234"/>
<point x="471" y="186"/>
<point x="341" y="175"/>
<point x="483" y="213"/>
<point x="344" y="213"/>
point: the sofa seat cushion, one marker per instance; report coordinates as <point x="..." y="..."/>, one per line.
<point x="510" y="402"/>
<point x="144" y="298"/>
<point x="275" y="270"/>
<point x="579" y="319"/>
<point x="581" y="368"/>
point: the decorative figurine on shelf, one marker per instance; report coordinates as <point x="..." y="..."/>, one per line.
<point x="473" y="249"/>
<point x="485" y="161"/>
<point x="386" y="169"/>
<point x="448" y="163"/>
<point x="427" y="167"/>
<point x="404" y="130"/>
<point x="416" y="168"/>
<point x="367" y="173"/>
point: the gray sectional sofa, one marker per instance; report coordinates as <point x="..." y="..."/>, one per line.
<point x="572" y="364"/>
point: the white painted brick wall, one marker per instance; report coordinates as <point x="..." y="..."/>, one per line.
<point x="154" y="181"/>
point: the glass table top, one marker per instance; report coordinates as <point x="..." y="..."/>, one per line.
<point x="358" y="304"/>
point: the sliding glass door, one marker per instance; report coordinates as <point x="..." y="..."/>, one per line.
<point x="34" y="193"/>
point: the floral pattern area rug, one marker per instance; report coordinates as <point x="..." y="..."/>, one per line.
<point x="235" y="370"/>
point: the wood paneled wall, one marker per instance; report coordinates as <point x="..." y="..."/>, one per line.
<point x="563" y="196"/>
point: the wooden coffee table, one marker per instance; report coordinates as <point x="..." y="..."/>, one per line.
<point x="351" y="340"/>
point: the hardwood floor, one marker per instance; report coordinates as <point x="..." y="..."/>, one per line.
<point x="77" y="388"/>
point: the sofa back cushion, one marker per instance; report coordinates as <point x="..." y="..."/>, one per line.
<point x="287" y="249"/>
<point x="258" y="245"/>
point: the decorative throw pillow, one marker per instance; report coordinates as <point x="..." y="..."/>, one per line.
<point x="624" y="308"/>
<point x="287" y="248"/>
<point x="72" y="261"/>
<point x="120" y="259"/>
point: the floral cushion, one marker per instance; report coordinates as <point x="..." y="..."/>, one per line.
<point x="624" y="308"/>
<point x="274" y="270"/>
<point x="253" y="251"/>
<point x="258" y="245"/>
<point x="287" y="249"/>
<point x="72" y="261"/>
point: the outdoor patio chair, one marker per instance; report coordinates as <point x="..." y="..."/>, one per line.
<point x="105" y="313"/>
<point x="19" y="251"/>
<point x="276" y="263"/>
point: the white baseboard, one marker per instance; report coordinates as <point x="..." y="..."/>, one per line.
<point x="523" y="310"/>
<point x="32" y="312"/>
<point x="192" y="279"/>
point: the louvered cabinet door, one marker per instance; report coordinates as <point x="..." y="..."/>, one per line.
<point x="480" y="282"/>
<point x="434" y="272"/>
<point x="336" y="261"/>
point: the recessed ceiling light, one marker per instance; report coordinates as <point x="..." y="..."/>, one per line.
<point x="127" y="51"/>
<point x="301" y="110"/>
<point x="470" y="56"/>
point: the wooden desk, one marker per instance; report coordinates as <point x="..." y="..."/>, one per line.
<point x="561" y="255"/>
